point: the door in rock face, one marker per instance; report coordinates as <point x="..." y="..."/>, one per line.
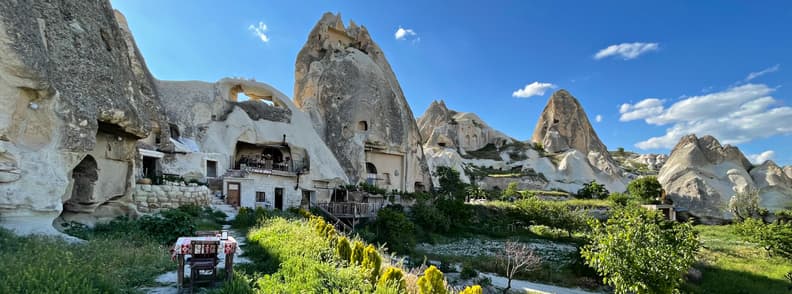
<point x="232" y="196"/>
<point x="279" y="198"/>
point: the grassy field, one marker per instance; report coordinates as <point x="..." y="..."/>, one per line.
<point x="730" y="265"/>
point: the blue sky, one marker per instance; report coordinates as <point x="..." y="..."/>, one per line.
<point x="676" y="66"/>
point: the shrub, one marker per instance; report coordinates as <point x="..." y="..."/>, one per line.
<point x="637" y="251"/>
<point x="392" y="276"/>
<point x="775" y="237"/>
<point x="475" y="289"/>
<point x="744" y="205"/>
<point x="552" y="214"/>
<point x="432" y="282"/>
<point x="357" y="253"/>
<point x="468" y="272"/>
<point x="394" y="228"/>
<point x="511" y="191"/>
<point x="592" y="190"/>
<point x="343" y="249"/>
<point x="371" y="263"/>
<point x="168" y="225"/>
<point x="648" y="189"/>
<point x="450" y="184"/>
<point x="620" y="199"/>
<point x="429" y="218"/>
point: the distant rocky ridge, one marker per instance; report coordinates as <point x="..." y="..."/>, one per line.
<point x="700" y="176"/>
<point x="569" y="159"/>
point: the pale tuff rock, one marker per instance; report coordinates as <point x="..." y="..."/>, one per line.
<point x="564" y="125"/>
<point x="210" y="115"/>
<point x="72" y="87"/>
<point x="441" y="156"/>
<point x="700" y="176"/>
<point x="788" y="171"/>
<point x="465" y="131"/>
<point x="345" y="84"/>
<point x="566" y="168"/>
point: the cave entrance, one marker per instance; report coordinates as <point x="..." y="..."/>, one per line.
<point x="85" y="175"/>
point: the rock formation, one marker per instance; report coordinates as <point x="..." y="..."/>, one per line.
<point x="564" y="125"/>
<point x="76" y="96"/>
<point x="345" y="84"/>
<point x="701" y="176"/>
<point x="465" y="131"/>
<point x="498" y="159"/>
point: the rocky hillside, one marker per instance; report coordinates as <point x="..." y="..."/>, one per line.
<point x="345" y="84"/>
<point x="571" y="159"/>
<point x="700" y="176"/>
<point x="635" y="164"/>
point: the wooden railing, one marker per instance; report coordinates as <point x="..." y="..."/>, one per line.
<point x="351" y="209"/>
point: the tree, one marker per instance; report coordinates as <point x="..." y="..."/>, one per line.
<point x="392" y="227"/>
<point x="475" y="192"/>
<point x="511" y="191"/>
<point x="516" y="258"/>
<point x="648" y="189"/>
<point x="775" y="237"/>
<point x="432" y="282"/>
<point x="593" y="190"/>
<point x="450" y="184"/>
<point x="745" y="205"/>
<point x="637" y="251"/>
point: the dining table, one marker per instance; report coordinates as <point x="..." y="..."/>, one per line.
<point x="182" y="248"/>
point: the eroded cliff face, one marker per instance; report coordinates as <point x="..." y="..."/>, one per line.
<point x="345" y="84"/>
<point x="76" y="96"/>
<point x="464" y="131"/>
<point x="701" y="176"/>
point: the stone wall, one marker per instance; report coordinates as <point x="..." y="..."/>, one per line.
<point x="152" y="198"/>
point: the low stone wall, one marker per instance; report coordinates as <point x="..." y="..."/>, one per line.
<point x="152" y="198"/>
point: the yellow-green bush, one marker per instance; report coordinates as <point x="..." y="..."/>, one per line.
<point x="371" y="263"/>
<point x="432" y="282"/>
<point x="392" y="276"/>
<point x="343" y="249"/>
<point x="475" y="289"/>
<point x="357" y="253"/>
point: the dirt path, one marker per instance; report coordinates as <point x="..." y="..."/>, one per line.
<point x="532" y="287"/>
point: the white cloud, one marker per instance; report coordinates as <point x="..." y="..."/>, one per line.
<point x="260" y="31"/>
<point x="735" y="115"/>
<point x="598" y="118"/>
<point x="403" y="34"/>
<point x="627" y="50"/>
<point x="761" y="157"/>
<point x="533" y="89"/>
<point x="760" y="73"/>
<point x="645" y="109"/>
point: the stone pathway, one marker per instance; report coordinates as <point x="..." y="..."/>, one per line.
<point x="167" y="281"/>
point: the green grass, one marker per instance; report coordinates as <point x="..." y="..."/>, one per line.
<point x="730" y="265"/>
<point x="588" y="203"/>
<point x="38" y="264"/>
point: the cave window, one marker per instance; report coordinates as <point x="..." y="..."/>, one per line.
<point x="211" y="169"/>
<point x="174" y="131"/>
<point x="85" y="175"/>
<point x="418" y="187"/>
<point x="150" y="167"/>
<point x="442" y="144"/>
<point x="363" y="125"/>
<point x="555" y="121"/>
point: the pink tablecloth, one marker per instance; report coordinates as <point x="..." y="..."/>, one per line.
<point x="182" y="245"/>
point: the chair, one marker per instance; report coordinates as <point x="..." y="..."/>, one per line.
<point x="206" y="233"/>
<point x="203" y="258"/>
